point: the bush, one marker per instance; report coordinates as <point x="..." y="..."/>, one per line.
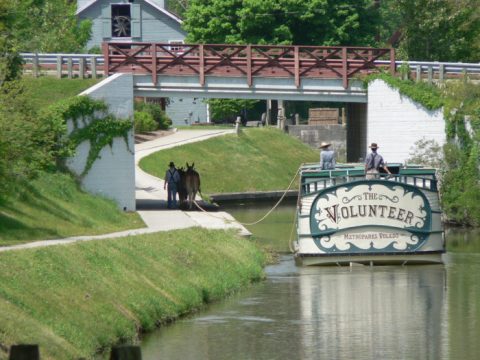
<point x="227" y="110"/>
<point x="144" y="122"/>
<point x="25" y="141"/>
<point x="156" y="112"/>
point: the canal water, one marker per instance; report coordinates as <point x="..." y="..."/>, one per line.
<point x="360" y="312"/>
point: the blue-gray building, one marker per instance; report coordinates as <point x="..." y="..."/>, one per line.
<point x="141" y="21"/>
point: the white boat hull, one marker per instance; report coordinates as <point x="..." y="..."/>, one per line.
<point x="371" y="222"/>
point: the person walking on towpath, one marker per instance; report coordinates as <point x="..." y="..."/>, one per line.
<point x="327" y="157"/>
<point x="172" y="179"/>
<point x="373" y="163"/>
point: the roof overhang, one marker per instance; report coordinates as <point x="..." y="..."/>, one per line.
<point x="151" y="3"/>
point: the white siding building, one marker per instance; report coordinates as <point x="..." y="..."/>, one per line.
<point x="141" y="21"/>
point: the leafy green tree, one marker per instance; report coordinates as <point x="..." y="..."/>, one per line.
<point x="10" y="61"/>
<point x="50" y="26"/>
<point x="312" y="22"/>
<point x="460" y="185"/>
<point x="440" y="30"/>
<point x="177" y="7"/>
<point x="227" y="110"/>
<point x="25" y="142"/>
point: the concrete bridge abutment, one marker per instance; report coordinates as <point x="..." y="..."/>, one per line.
<point x="112" y="175"/>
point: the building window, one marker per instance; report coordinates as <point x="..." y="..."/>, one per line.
<point x="121" y="20"/>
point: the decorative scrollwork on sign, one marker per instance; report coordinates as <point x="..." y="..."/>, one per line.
<point x="393" y="199"/>
<point x="414" y="238"/>
<point x="347" y="200"/>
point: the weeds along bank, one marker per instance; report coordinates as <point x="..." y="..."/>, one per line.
<point x="52" y="206"/>
<point x="79" y="299"/>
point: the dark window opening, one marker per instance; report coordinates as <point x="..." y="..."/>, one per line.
<point x="121" y="21"/>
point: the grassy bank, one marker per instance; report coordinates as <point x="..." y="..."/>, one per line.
<point x="53" y="206"/>
<point x="258" y="160"/>
<point x="74" y="300"/>
<point x="47" y="90"/>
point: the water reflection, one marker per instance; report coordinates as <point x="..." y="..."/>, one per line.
<point x="311" y="313"/>
<point x="391" y="312"/>
<point x="374" y="313"/>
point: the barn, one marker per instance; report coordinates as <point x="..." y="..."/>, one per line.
<point x="142" y="21"/>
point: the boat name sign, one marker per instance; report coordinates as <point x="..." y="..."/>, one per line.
<point x="372" y="214"/>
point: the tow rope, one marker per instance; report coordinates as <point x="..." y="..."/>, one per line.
<point x="264" y="216"/>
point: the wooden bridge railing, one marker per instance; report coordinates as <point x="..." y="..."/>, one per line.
<point x="298" y="62"/>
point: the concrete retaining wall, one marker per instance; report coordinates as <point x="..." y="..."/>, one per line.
<point x="313" y="135"/>
<point x="113" y="174"/>
<point x="396" y="122"/>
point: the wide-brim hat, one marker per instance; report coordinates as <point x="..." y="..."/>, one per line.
<point x="171" y="164"/>
<point x="324" y="144"/>
<point x="373" y="146"/>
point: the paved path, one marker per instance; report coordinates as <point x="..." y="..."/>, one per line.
<point x="152" y="199"/>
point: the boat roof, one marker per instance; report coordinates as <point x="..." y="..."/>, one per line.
<point x="357" y="169"/>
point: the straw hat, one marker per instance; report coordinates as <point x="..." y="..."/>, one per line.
<point x="373" y="146"/>
<point x="324" y="144"/>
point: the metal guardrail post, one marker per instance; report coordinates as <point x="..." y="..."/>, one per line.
<point x="70" y="67"/>
<point x="93" y="67"/>
<point x="441" y="72"/>
<point x="36" y="65"/>
<point x="418" y="77"/>
<point x="59" y="66"/>
<point x="430" y="74"/>
<point x="81" y="68"/>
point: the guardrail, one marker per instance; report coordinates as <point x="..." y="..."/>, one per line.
<point x="434" y="70"/>
<point x="70" y="65"/>
<point x="249" y="61"/>
<point x="92" y="65"/>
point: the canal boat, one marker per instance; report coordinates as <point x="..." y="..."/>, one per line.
<point x="345" y="218"/>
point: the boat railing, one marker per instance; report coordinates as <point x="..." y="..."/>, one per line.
<point x="313" y="185"/>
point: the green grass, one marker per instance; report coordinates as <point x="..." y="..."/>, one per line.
<point x="47" y="90"/>
<point x="53" y="206"/>
<point x="258" y="160"/>
<point x="77" y="299"/>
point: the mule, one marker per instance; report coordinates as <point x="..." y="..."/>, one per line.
<point x="191" y="184"/>
<point x="182" y="191"/>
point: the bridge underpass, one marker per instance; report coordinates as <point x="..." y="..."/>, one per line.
<point x="247" y="72"/>
<point x="293" y="73"/>
<point x="349" y="141"/>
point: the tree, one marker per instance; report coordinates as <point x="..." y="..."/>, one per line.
<point x="10" y="61"/>
<point x="50" y="26"/>
<point x="177" y="7"/>
<point x="440" y="30"/>
<point x="313" y="22"/>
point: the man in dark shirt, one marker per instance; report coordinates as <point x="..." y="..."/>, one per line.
<point x="172" y="178"/>
<point x="373" y="163"/>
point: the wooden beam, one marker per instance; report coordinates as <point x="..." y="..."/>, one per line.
<point x="106" y="59"/>
<point x="201" y="64"/>
<point x="249" y="65"/>
<point x="393" y="67"/>
<point x="153" y="49"/>
<point x="296" y="67"/>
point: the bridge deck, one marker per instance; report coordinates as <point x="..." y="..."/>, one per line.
<point x="246" y="61"/>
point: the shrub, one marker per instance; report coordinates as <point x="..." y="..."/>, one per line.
<point x="157" y="114"/>
<point x="227" y="110"/>
<point x="144" y="122"/>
